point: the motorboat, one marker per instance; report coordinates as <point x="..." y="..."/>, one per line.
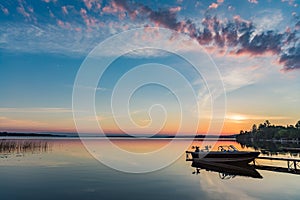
<point x="225" y="154"/>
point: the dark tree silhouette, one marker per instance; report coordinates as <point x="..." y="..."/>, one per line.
<point x="267" y="123"/>
<point x="266" y="131"/>
<point x="254" y="128"/>
<point x="297" y="125"/>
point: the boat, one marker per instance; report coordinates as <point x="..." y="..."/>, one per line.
<point x="225" y="154"/>
<point x="226" y="170"/>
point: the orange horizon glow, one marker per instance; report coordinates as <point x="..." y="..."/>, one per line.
<point x="233" y="123"/>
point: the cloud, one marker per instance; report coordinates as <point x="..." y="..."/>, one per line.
<point x="291" y="59"/>
<point x="64" y="10"/>
<point x="175" y="9"/>
<point x="238" y="36"/>
<point x="268" y="19"/>
<point x="213" y="6"/>
<point x="63" y="37"/>
<point x="253" y="1"/>
<point x="35" y="110"/>
<point x="75" y="29"/>
<point x="90" y="3"/>
<point x="48" y="1"/>
<point x="4" y="10"/>
<point x="7" y="123"/>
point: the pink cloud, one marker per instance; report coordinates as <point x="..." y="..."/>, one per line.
<point x="62" y="24"/>
<point x="220" y="1"/>
<point x="238" y="18"/>
<point x="83" y="11"/>
<point x="89" y="21"/>
<point x="213" y="6"/>
<point x="113" y="8"/>
<point x="88" y="3"/>
<point x="30" y="9"/>
<point x="92" y="3"/>
<point x="175" y="9"/>
<point x="64" y="10"/>
<point x="4" y="10"/>
<point x="48" y="1"/>
<point x="27" y="12"/>
<point x="253" y="1"/>
<point x="23" y="12"/>
<point x="78" y="29"/>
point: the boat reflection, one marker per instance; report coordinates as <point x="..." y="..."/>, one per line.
<point x="226" y="171"/>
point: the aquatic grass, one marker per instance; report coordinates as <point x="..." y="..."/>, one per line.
<point x="23" y="146"/>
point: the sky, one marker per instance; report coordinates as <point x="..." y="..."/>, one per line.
<point x="254" y="44"/>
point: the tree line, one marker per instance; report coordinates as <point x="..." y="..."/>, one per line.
<point x="268" y="131"/>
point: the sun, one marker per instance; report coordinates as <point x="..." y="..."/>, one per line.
<point x="236" y="117"/>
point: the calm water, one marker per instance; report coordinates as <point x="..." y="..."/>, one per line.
<point x="63" y="169"/>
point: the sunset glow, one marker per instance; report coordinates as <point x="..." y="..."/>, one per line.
<point x="254" y="45"/>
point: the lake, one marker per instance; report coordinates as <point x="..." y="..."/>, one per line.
<point x="61" y="168"/>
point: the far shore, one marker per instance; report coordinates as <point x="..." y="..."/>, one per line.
<point x="74" y="135"/>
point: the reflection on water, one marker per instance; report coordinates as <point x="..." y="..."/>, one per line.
<point x="67" y="171"/>
<point x="269" y="148"/>
<point x="226" y="171"/>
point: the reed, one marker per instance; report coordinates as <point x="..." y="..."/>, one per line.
<point x="23" y="146"/>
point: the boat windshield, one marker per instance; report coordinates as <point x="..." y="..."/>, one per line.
<point x="229" y="148"/>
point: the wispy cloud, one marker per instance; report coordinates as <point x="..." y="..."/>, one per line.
<point x="4" y="10"/>
<point x="35" y="110"/>
<point x="8" y="123"/>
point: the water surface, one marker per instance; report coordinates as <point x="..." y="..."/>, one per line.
<point x="63" y="169"/>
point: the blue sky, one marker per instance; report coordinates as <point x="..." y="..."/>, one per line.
<point x="254" y="43"/>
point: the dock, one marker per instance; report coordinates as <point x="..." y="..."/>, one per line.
<point x="293" y="165"/>
<point x="292" y="149"/>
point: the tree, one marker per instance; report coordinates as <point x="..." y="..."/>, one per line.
<point x="282" y="134"/>
<point x="297" y="125"/>
<point x="254" y="128"/>
<point x="261" y="126"/>
<point x="267" y="123"/>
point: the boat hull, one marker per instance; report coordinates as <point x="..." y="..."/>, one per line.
<point x="225" y="157"/>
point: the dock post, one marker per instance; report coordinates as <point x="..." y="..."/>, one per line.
<point x="295" y="165"/>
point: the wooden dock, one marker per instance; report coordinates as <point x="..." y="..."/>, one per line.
<point x="292" y="149"/>
<point x="292" y="163"/>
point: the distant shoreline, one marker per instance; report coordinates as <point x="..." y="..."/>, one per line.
<point x="6" y="134"/>
<point x="68" y="135"/>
